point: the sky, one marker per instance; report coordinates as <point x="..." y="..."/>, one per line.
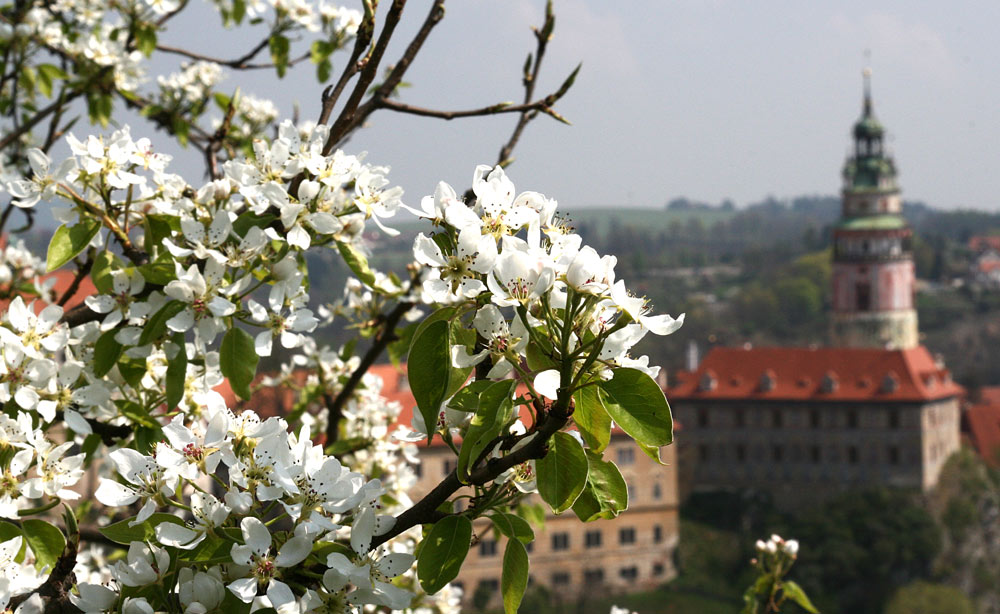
<point x="710" y="100"/>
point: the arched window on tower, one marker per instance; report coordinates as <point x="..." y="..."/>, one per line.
<point x="862" y="296"/>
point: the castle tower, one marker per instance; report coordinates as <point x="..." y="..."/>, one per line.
<point x="873" y="274"/>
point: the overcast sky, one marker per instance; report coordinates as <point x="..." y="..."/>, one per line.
<point x="703" y="99"/>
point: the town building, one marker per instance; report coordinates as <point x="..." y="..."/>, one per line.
<point x="875" y="408"/>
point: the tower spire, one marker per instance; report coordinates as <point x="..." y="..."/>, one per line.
<point x="866" y="75"/>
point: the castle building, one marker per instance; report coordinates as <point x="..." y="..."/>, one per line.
<point x="873" y="274"/>
<point x="875" y="408"/>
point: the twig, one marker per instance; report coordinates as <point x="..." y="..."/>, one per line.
<point x="361" y="40"/>
<point x="82" y="271"/>
<point x="398" y="71"/>
<point x="502" y="107"/>
<point x="237" y="64"/>
<point x="385" y="336"/>
<point x="38" y="117"/>
<point x="217" y="139"/>
<point x="345" y="120"/>
<point x="542" y="38"/>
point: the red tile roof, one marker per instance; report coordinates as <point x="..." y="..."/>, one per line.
<point x="980" y="242"/>
<point x="821" y="374"/>
<point x="982" y="425"/>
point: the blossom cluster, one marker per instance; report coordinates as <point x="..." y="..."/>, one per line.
<point x="547" y="276"/>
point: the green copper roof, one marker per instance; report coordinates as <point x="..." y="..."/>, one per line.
<point x="873" y="222"/>
<point x="868" y="128"/>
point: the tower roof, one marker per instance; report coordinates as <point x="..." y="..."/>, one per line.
<point x="868" y="127"/>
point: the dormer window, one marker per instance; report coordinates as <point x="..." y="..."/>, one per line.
<point x="767" y="381"/>
<point x="829" y="383"/>
<point x="708" y="382"/>
<point x="890" y="383"/>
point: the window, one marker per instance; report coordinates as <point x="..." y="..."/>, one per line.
<point x="657" y="491"/>
<point x="488" y="547"/>
<point x="560" y="578"/>
<point x="703" y="417"/>
<point x="626" y="456"/>
<point x="449" y="466"/>
<point x="530" y="547"/>
<point x="626" y="536"/>
<point x="893" y="455"/>
<point x="592" y="539"/>
<point x="814" y="454"/>
<point x="593" y="576"/>
<point x="560" y="541"/>
<point x="631" y="493"/>
<point x="629" y="573"/>
<point x="740" y="418"/>
<point x="894" y="418"/>
<point x="418" y="470"/>
<point x="492" y="585"/>
<point x="703" y="452"/>
<point x="852" y="419"/>
<point x="741" y="452"/>
<point x="658" y="569"/>
<point x="657" y="534"/>
<point x="852" y="455"/>
<point x="863" y="296"/>
<point x="776" y="453"/>
<point x="814" y="419"/>
<point x="776" y="418"/>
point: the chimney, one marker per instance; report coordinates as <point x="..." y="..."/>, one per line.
<point x="692" y="356"/>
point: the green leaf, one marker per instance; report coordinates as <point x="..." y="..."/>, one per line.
<point x="176" y="373"/>
<point x="513" y="527"/>
<point x="653" y="452"/>
<point x="145" y="37"/>
<point x="106" y="352"/>
<point x="496" y="409"/>
<point x="591" y="418"/>
<point x="67" y="242"/>
<point x="45" y="541"/>
<point x="429" y="369"/>
<point x="122" y="533"/>
<point x="357" y="262"/>
<point x="442" y="552"/>
<point x="238" y="360"/>
<point x="467" y="399"/>
<point x="460" y="335"/>
<point x="9" y="531"/>
<point x="158" y="227"/>
<point x="515" y="576"/>
<point x="160" y="272"/>
<point x="794" y="592"/>
<point x="249" y="219"/>
<point x="562" y="473"/>
<point x="606" y="493"/>
<point x="100" y="272"/>
<point x="156" y="325"/>
<point x="636" y="403"/>
<point x="279" y="45"/>
<point x="132" y="369"/>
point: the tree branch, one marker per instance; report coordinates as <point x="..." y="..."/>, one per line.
<point x="237" y="64"/>
<point x="395" y="76"/>
<point x="542" y="38"/>
<point x="361" y="40"/>
<point x="82" y="271"/>
<point x="502" y="107"/>
<point x="425" y="510"/>
<point x="369" y="69"/>
<point x="383" y="339"/>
